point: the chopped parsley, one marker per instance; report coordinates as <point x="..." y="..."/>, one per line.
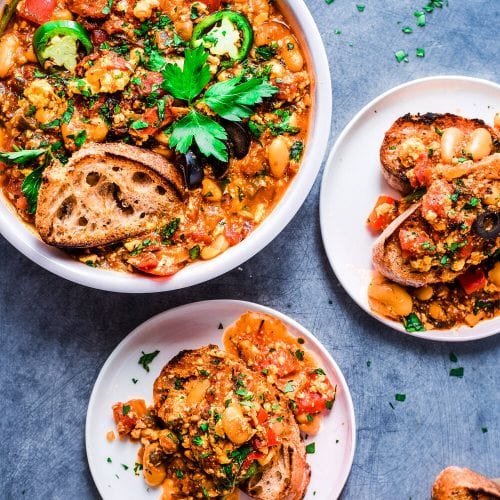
<point x="146" y="359"/>
<point x="361" y="7"/>
<point x="484" y="430"/>
<point x="296" y="150"/>
<point x="125" y="409"/>
<point x="407" y="29"/>
<point x="457" y="372"/>
<point x="288" y="388"/>
<point x="453" y="357"/>
<point x="310" y="448"/>
<point x="401" y="56"/>
<point x="266" y="52"/>
<point x="319" y="371"/>
<point x="413" y="324"/>
<point x="197" y="440"/>
<point x="400" y="397"/>
<point x="420" y="52"/>
<point x="137" y="467"/>
<point x="299" y="354"/>
<point x="169" y="229"/>
<point x="329" y="404"/>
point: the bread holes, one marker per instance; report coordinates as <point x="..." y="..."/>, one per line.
<point x="66" y="207"/>
<point x="92" y="178"/>
<point x="161" y="190"/>
<point x="82" y="221"/>
<point x="141" y="178"/>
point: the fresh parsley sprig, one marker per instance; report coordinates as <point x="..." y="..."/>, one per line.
<point x="231" y="99"/>
<point x="22" y="156"/>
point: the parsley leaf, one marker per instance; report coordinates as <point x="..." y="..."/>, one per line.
<point x="147" y="358"/>
<point x="30" y="187"/>
<point x="188" y="82"/>
<point x="22" y="156"/>
<point x="207" y="133"/>
<point x="232" y="99"/>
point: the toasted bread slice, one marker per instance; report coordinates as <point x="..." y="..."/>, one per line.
<point x="457" y="483"/>
<point x="104" y="194"/>
<point x="440" y="238"/>
<point x="211" y="390"/>
<point x="411" y="136"/>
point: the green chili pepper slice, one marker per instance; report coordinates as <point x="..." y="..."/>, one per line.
<point x="56" y="41"/>
<point x="224" y="32"/>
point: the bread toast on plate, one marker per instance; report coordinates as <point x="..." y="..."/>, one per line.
<point x="210" y="389"/>
<point x="438" y="238"/>
<point x="413" y="139"/>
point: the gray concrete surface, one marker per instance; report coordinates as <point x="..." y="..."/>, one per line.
<point x="55" y="336"/>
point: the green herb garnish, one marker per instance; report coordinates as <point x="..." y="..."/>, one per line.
<point x="400" y="397"/>
<point x="311" y="448"/>
<point x="413" y="324"/>
<point x="457" y="372"/>
<point x="146" y="359"/>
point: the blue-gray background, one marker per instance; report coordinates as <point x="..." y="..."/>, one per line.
<point x="55" y="335"/>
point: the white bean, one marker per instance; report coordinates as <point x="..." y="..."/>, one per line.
<point x="450" y="141"/>
<point x="480" y="144"/>
<point x="8" y="48"/>
<point x="278" y="155"/>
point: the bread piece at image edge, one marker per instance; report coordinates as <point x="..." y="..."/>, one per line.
<point x="287" y="477"/>
<point x="422" y="127"/>
<point x="104" y="194"/>
<point x="457" y="483"/>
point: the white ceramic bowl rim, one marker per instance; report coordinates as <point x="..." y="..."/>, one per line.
<point x="59" y="263"/>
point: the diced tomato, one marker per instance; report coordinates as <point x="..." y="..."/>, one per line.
<point x="37" y="11"/>
<point x="145" y="261"/>
<point x="261" y="416"/>
<point x="465" y="251"/>
<point x="472" y="280"/>
<point x="272" y="438"/>
<point x="212" y="5"/>
<point x="383" y="213"/>
<point x="415" y="242"/>
<point x="232" y="234"/>
<point x="22" y="203"/>
<point x="150" y="82"/>
<point x="254" y="455"/>
<point x="422" y="171"/>
<point x="310" y="402"/>
<point x="437" y="200"/>
<point x="127" y="414"/>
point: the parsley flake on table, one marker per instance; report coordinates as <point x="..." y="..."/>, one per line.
<point x="453" y="357"/>
<point x="401" y="56"/>
<point x="420" y="52"/>
<point x="457" y="372"/>
<point x="400" y="397"/>
<point x="484" y="430"/>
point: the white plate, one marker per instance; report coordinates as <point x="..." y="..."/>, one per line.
<point x="352" y="181"/>
<point x="189" y="327"/>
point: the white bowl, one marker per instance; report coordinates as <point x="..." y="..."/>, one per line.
<point x="58" y="262"/>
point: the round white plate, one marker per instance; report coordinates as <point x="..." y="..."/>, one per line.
<point x="188" y="327"/>
<point x="352" y="181"/>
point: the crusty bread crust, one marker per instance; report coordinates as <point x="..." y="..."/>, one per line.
<point x="287" y="476"/>
<point x="424" y="128"/>
<point x="387" y="255"/>
<point x="104" y="194"/>
<point x="456" y="483"/>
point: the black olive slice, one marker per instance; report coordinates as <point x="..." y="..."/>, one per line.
<point x="238" y="139"/>
<point x="194" y="170"/>
<point x="487" y="225"/>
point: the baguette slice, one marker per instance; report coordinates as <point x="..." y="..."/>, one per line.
<point x="200" y="383"/>
<point x="456" y="483"/>
<point x="412" y="135"/>
<point x="104" y="194"/>
<point x="387" y="254"/>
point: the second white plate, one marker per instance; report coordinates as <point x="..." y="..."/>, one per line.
<point x="352" y="181"/>
<point x="190" y="327"/>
